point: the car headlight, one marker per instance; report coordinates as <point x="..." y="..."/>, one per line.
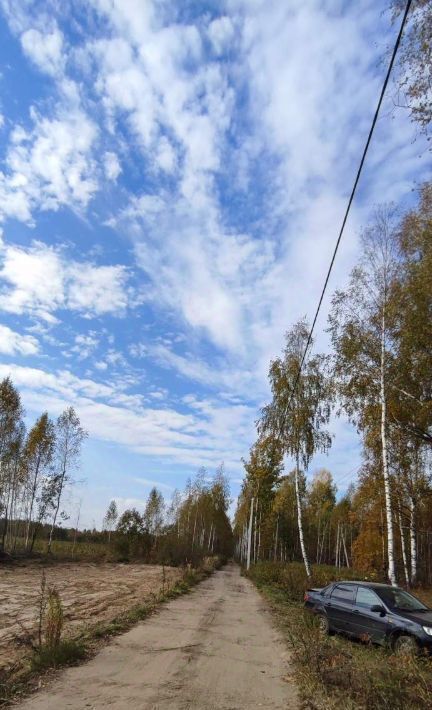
<point x="427" y="630"/>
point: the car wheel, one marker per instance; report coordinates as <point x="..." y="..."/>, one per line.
<point x="323" y="625"/>
<point x="406" y="645"/>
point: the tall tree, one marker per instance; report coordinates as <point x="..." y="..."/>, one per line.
<point x="69" y="436"/>
<point x="39" y="451"/>
<point x="154" y="512"/>
<point x="299" y="410"/>
<point x="411" y="304"/>
<point x="11" y="438"/>
<point x="415" y="61"/>
<point x="364" y="351"/>
<point x="110" y="518"/>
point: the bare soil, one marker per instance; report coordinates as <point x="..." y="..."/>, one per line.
<point x="215" y="648"/>
<point x="90" y="593"/>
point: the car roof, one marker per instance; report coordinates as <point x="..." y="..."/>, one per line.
<point x="365" y="583"/>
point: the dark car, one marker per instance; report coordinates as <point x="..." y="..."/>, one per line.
<point x="376" y="612"/>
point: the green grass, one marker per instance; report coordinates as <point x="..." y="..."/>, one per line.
<point x="66" y="550"/>
<point x="334" y="672"/>
<point x="68" y="652"/>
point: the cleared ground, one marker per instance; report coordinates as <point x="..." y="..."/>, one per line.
<point x="214" y="648"/>
<point x="90" y="592"/>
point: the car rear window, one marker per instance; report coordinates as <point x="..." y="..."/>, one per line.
<point x="345" y="594"/>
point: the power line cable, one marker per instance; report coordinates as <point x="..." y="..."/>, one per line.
<point x="353" y="191"/>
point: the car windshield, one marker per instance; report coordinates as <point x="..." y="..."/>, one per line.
<point x="400" y="600"/>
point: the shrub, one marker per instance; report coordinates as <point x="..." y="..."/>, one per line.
<point x="292" y="579"/>
<point x="67" y="652"/>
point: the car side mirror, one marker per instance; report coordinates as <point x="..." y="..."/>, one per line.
<point x="378" y="609"/>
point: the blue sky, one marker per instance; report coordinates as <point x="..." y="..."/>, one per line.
<point x="173" y="178"/>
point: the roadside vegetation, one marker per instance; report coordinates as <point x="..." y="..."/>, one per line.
<point x="333" y="672"/>
<point x="292" y="529"/>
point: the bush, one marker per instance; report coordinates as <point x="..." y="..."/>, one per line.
<point x="66" y="652"/>
<point x="292" y="578"/>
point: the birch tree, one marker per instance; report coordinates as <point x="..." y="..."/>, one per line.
<point x="69" y="436"/>
<point x="364" y="351"/>
<point x="110" y="518"/>
<point x="11" y="438"/>
<point x="299" y="411"/>
<point x="39" y="452"/>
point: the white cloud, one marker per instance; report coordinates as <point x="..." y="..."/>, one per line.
<point x="27" y="273"/>
<point x="97" y="290"/>
<point x="247" y="162"/>
<point x="44" y="49"/>
<point x="221" y="33"/>
<point x="85" y="345"/>
<point x="81" y="286"/>
<point x="12" y="343"/>
<point x="112" y="166"/>
<point x="203" y="436"/>
<point x="49" y="166"/>
<point x="165" y="155"/>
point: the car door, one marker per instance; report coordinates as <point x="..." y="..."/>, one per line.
<point x="340" y="606"/>
<point x="366" y="623"/>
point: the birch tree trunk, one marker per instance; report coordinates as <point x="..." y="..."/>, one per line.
<point x="57" y="508"/>
<point x="345" y="548"/>
<point x="337" y="548"/>
<point x="259" y="536"/>
<point x="276" y="539"/>
<point x="388" y="506"/>
<point x="32" y="500"/>
<point x="413" y="542"/>
<point x="404" y="555"/>
<point x="249" y="542"/>
<point x="299" y="520"/>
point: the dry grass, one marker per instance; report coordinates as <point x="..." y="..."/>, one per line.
<point x="334" y="672"/>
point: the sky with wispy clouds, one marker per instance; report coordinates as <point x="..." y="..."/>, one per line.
<point x="173" y="177"/>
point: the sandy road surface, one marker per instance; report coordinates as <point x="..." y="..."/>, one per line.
<point x="214" y="648"/>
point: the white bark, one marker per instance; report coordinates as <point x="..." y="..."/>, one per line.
<point x="300" y="522"/>
<point x="345" y="548"/>
<point x="388" y="506"/>
<point x="210" y="537"/>
<point x="404" y="555"/>
<point x="255" y="535"/>
<point x="249" y="542"/>
<point x="413" y="542"/>
<point x="276" y="538"/>
<point x="259" y="537"/>
<point x="194" y="529"/>
<point x="337" y="548"/>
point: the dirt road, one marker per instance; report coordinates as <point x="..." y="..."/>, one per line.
<point x="214" y="648"/>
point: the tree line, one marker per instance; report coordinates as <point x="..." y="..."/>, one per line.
<point x="194" y="524"/>
<point x="36" y="466"/>
<point x="379" y="374"/>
